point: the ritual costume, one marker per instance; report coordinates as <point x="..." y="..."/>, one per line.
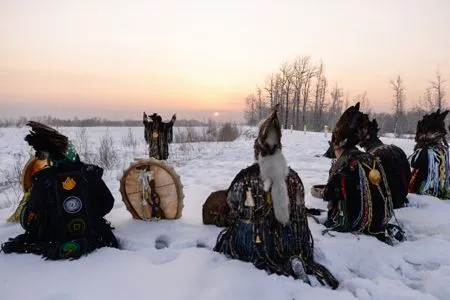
<point x="158" y="135"/>
<point x="64" y="216"/>
<point x="430" y="160"/>
<point x="357" y="191"/>
<point x="394" y="161"/>
<point x="269" y="225"/>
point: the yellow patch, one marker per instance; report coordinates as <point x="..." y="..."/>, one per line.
<point x="155" y="135"/>
<point x="69" y="184"/>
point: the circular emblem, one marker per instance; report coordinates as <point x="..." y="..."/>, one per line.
<point x="77" y="226"/>
<point x="72" y="205"/>
<point x="155" y="135"/>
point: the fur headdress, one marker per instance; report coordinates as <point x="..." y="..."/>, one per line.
<point x="269" y="135"/>
<point x="372" y="131"/>
<point x="45" y="139"/>
<point x="350" y="129"/>
<point x="431" y="129"/>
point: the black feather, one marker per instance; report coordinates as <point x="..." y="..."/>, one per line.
<point x="47" y="139"/>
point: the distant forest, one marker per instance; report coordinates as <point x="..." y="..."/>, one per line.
<point x="311" y="100"/>
<point x="87" y="122"/>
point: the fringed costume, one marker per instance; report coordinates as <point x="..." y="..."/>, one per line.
<point x="357" y="191"/>
<point x="158" y="135"/>
<point x="430" y="160"/>
<point x="358" y="201"/>
<point x="395" y="164"/>
<point x="270" y="226"/>
<point x="63" y="217"/>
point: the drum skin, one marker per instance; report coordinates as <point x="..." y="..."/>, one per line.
<point x="167" y="185"/>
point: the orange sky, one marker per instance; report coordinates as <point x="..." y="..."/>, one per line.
<point x="117" y="58"/>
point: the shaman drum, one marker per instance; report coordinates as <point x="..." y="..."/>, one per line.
<point x="317" y="190"/>
<point x="215" y="210"/>
<point x="26" y="178"/>
<point x="139" y="193"/>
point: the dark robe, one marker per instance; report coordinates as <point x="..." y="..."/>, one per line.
<point x="396" y="166"/>
<point x="255" y="234"/>
<point x="158" y="136"/>
<point x="44" y="233"/>
<point x="355" y="203"/>
<point x="430" y="171"/>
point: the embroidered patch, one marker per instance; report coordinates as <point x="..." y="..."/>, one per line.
<point x="69" y="184"/>
<point x="68" y="249"/>
<point x="72" y="205"/>
<point x="155" y="135"/>
<point x="77" y="226"/>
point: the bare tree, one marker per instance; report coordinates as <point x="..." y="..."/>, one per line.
<point x="320" y="97"/>
<point x="250" y="111"/>
<point x="309" y="75"/>
<point x="364" y="102"/>
<point x="437" y="86"/>
<point x="426" y="102"/>
<point x="301" y="67"/>
<point x="399" y="103"/>
<point x="287" y="72"/>
<point x="270" y="89"/>
<point x="259" y="103"/>
<point x="336" y="104"/>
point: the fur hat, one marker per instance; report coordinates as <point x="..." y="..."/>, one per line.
<point x="269" y="135"/>
<point x="45" y="139"/>
<point x="350" y="129"/>
<point x="431" y="129"/>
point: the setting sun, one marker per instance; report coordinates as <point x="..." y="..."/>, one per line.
<point x="216" y="114"/>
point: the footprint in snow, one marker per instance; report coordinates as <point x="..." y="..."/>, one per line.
<point x="162" y="242"/>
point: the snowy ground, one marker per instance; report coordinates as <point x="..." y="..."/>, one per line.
<point x="366" y="268"/>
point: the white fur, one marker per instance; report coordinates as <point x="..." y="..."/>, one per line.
<point x="274" y="170"/>
<point x="272" y="137"/>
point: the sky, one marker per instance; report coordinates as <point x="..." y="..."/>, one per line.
<point x="116" y="59"/>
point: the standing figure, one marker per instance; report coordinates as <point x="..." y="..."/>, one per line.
<point x="270" y="228"/>
<point x="64" y="216"/>
<point x="430" y="160"/>
<point x="357" y="191"/>
<point x="158" y="135"/>
<point x="394" y="161"/>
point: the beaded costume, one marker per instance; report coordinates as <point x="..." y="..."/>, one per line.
<point x="262" y="232"/>
<point x="357" y="190"/>
<point x="430" y="160"/>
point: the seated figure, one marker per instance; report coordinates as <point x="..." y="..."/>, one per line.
<point x="430" y="160"/>
<point x="270" y="226"/>
<point x="394" y="161"/>
<point x="357" y="191"/>
<point x="64" y="215"/>
<point x="158" y="135"/>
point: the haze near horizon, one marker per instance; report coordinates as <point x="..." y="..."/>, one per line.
<point x="115" y="59"/>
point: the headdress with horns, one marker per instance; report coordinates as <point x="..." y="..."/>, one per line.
<point x="269" y="135"/>
<point x="431" y="129"/>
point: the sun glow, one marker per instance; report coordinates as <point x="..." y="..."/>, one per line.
<point x="216" y="114"/>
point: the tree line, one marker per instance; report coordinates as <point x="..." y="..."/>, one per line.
<point x="87" y="122"/>
<point x="309" y="101"/>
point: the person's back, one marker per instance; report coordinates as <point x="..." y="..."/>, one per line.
<point x="430" y="160"/>
<point x="63" y="217"/>
<point x="269" y="225"/>
<point x="357" y="191"/>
